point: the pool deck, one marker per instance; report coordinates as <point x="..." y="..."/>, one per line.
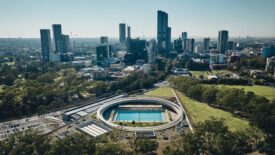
<point x="140" y="107"/>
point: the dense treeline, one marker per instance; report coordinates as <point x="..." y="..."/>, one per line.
<point x="197" y="66"/>
<point x="213" y="137"/>
<point x="48" y="91"/>
<point x="259" y="110"/>
<point x="240" y="81"/>
<point x="26" y="70"/>
<point x="248" y="62"/>
<point x="37" y="88"/>
<point x="33" y="142"/>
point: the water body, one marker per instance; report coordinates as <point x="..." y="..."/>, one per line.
<point x="139" y="116"/>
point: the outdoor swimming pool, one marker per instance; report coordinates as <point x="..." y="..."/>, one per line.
<point x="139" y="116"/>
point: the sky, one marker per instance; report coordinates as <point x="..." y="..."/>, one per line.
<point x="95" y="18"/>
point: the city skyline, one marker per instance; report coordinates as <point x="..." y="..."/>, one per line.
<point x="92" y="19"/>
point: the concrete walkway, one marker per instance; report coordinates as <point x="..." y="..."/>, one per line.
<point x="186" y="117"/>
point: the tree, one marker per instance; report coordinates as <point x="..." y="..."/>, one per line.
<point x="112" y="149"/>
<point x="209" y="95"/>
<point x="213" y="137"/>
<point x="74" y="144"/>
<point x="29" y="142"/>
<point x="144" y="145"/>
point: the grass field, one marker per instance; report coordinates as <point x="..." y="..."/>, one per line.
<point x="164" y="92"/>
<point x="200" y="111"/>
<point x="266" y="91"/>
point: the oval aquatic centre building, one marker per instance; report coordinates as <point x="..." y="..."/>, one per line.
<point x="140" y="109"/>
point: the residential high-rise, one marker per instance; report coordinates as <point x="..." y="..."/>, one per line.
<point x="57" y="36"/>
<point x="184" y="39"/>
<point x="178" y="45"/>
<point x="151" y="49"/>
<point x="206" y="42"/>
<point x="190" y="45"/>
<point x="163" y="33"/>
<point x="66" y="43"/>
<point x="104" y="40"/>
<point x="184" y="35"/>
<point x="45" y="36"/>
<point x="122" y="33"/>
<point x="168" y="40"/>
<point x="230" y="45"/>
<point x="128" y="32"/>
<point x="222" y="41"/>
<point x="137" y="49"/>
<point x="103" y="53"/>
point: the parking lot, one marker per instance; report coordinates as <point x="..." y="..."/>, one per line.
<point x="43" y="123"/>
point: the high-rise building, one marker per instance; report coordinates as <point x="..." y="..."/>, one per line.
<point x="66" y="43"/>
<point x="128" y="38"/>
<point x="122" y="33"/>
<point x="104" y="40"/>
<point x="57" y="36"/>
<point x="137" y="49"/>
<point x="103" y="53"/>
<point x="168" y="40"/>
<point x="184" y="35"/>
<point x="222" y="41"/>
<point x="128" y="32"/>
<point x="206" y="42"/>
<point x="268" y="51"/>
<point x="163" y="33"/>
<point x="178" y="45"/>
<point x="45" y="36"/>
<point x="230" y="45"/>
<point x="190" y="45"/>
<point x="151" y="49"/>
<point x="184" y="39"/>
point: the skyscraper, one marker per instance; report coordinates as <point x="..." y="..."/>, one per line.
<point x="151" y="48"/>
<point x="57" y="36"/>
<point x="178" y="45"/>
<point x="230" y="45"/>
<point x="66" y="43"/>
<point x="206" y="42"/>
<point x="168" y="40"/>
<point x="137" y="49"/>
<point x="190" y="45"/>
<point x="184" y="35"/>
<point x="163" y="33"/>
<point x="222" y="41"/>
<point x="103" y="53"/>
<point x="122" y="33"/>
<point x="45" y="36"/>
<point x="184" y="39"/>
<point x="104" y="40"/>
<point x="128" y="32"/>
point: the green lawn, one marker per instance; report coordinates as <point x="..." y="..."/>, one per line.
<point x="200" y="111"/>
<point x="266" y="91"/>
<point x="164" y="92"/>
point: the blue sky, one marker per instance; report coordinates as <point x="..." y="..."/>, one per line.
<point x="94" y="18"/>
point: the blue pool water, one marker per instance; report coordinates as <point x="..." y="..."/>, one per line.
<point x="139" y="116"/>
